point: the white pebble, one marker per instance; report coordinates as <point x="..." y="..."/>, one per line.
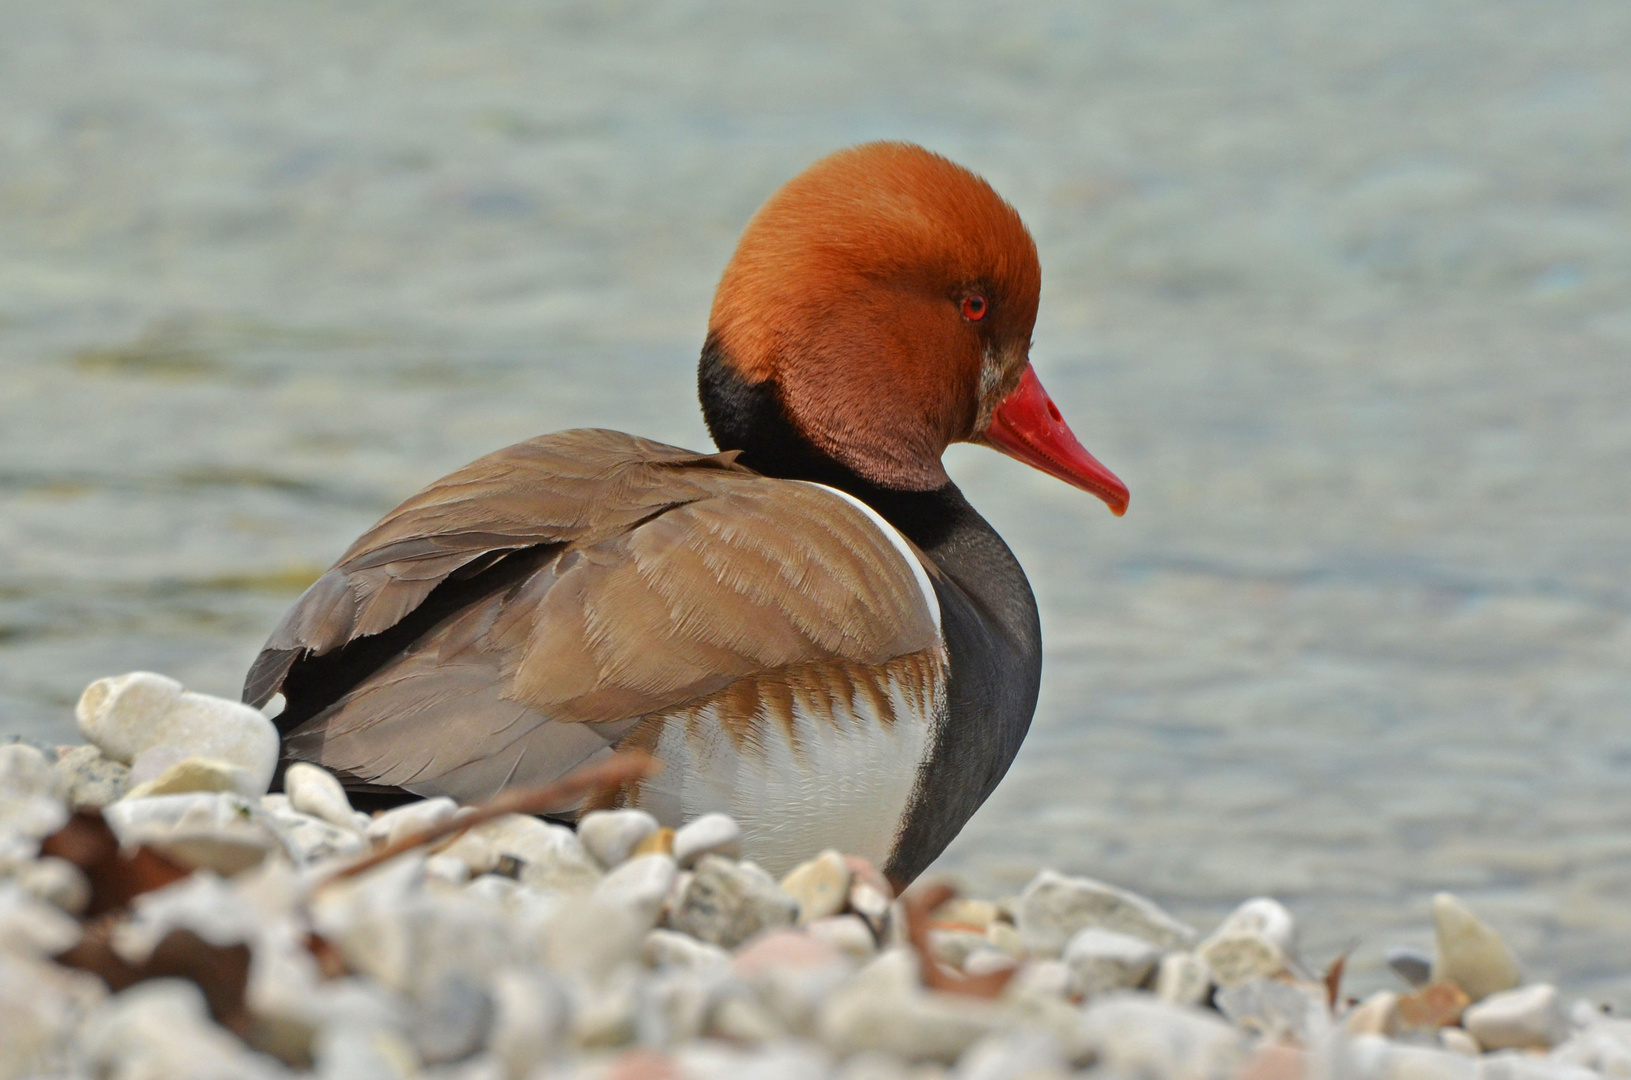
<point x="1531" y="1016"/>
<point x="1103" y="960"/>
<point x="710" y="834"/>
<point x="314" y="790"/>
<point x="401" y="821"/>
<point x="821" y="886"/>
<point x="611" y="835"/>
<point x="639" y="886"/>
<point x="126" y="714"/>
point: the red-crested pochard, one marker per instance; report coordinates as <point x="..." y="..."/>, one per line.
<point x="812" y="629"/>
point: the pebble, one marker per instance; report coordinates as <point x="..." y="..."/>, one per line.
<point x="314" y="790"/>
<point x="218" y="831"/>
<point x="820" y="886"/>
<point x="669" y="948"/>
<point x="612" y="835"/>
<point x="57" y="882"/>
<point x="710" y="834"/>
<point x="726" y="902"/>
<point x="161" y="1028"/>
<point x="1604" y="1045"/>
<point x="1182" y="978"/>
<point x="1469" y="953"/>
<point x="195" y="774"/>
<point x="639" y="886"/>
<point x="849" y="934"/>
<point x="883" y="1009"/>
<point x="1376" y="1015"/>
<point x="409" y="818"/>
<point x="126" y="714"/>
<point x="1234" y="959"/>
<point x="1273" y="1008"/>
<point x="1104" y="960"/>
<point x="1137" y="1036"/>
<point x="1414" y="966"/>
<point x="550" y="855"/>
<point x="1459" y="1041"/>
<point x="1532" y="1016"/>
<point x="88" y="778"/>
<point x="1053" y="907"/>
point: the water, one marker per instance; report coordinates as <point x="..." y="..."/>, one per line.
<point x="1343" y="292"/>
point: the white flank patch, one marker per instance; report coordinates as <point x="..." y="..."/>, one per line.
<point x="893" y="535"/>
<point x="845" y="784"/>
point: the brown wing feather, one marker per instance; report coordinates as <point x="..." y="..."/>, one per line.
<point x="667" y="581"/>
<point x="572" y="485"/>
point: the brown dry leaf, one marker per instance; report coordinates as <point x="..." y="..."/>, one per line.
<point x="116" y="879"/>
<point x="220" y="971"/>
<point x="1434" y="1006"/>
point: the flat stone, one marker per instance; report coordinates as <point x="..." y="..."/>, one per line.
<point x="1414" y="966"/>
<point x="126" y="714"/>
<point x="1054" y="907"/>
<point x="612" y="835"/>
<point x="821" y="886"/>
<point x="1532" y="1016"/>
<point x="1182" y="978"/>
<point x="1104" y="960"/>
<point x="1469" y="952"/>
<point x="710" y="834"/>
<point x="1141" y="1036"/>
<point x="725" y="903"/>
<point x="312" y="839"/>
<point x="196" y="774"/>
<point x="316" y="791"/>
<point x="88" y="778"/>
<point x="989" y="961"/>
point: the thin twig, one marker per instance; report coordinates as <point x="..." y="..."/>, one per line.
<point x="627" y="767"/>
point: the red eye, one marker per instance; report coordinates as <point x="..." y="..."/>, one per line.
<point x="975" y="307"/>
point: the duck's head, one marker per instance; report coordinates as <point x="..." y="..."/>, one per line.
<point x="882" y="302"/>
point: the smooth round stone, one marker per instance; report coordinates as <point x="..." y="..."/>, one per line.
<point x="1263" y="917"/>
<point x="710" y="834"/>
<point x="314" y="790"/>
<point x="849" y="934"/>
<point x="1469" y="952"/>
<point x="612" y="835"/>
<point x="821" y="886"/>
<point x="126" y="714"/>
<point x="1235" y="959"/>
<point x="988" y="961"/>
<point x="1529" y="1017"/>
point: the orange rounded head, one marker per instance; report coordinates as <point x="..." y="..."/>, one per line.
<point x="889" y="295"/>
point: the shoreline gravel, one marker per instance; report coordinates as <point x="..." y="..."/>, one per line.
<point x="162" y="916"/>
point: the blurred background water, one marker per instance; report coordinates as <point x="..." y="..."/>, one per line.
<point x="1343" y="291"/>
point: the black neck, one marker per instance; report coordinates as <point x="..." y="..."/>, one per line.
<point x="750" y="417"/>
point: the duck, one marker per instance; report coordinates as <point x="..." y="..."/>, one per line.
<point x="810" y="628"/>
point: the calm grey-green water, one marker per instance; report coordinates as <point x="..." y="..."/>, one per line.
<point x="1343" y="291"/>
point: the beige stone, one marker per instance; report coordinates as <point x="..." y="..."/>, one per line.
<point x="196" y="774"/>
<point x="1376" y="1015"/>
<point x="1469" y="952"/>
<point x="1529" y="1017"/>
<point x="1182" y="978"/>
<point x="821" y="886"/>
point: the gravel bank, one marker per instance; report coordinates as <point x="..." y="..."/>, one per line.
<point x="161" y="916"/>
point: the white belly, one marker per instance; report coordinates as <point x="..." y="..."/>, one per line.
<point x="807" y="769"/>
